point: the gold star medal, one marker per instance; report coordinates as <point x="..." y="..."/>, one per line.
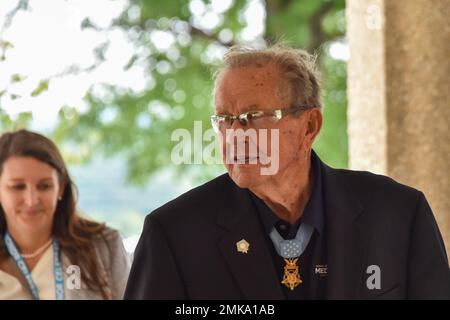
<point x="291" y="250"/>
<point x="243" y="246"/>
<point x="291" y="277"/>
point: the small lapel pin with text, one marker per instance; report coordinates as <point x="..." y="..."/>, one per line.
<point x="321" y="269"/>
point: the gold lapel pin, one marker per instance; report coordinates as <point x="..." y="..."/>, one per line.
<point x="243" y="246"/>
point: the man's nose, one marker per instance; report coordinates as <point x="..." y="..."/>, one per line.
<point x="237" y="124"/>
<point x="233" y="137"/>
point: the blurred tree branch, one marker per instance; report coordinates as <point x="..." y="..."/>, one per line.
<point x="318" y="34"/>
<point x="21" y="5"/>
<point x="196" y="32"/>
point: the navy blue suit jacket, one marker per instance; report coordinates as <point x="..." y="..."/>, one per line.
<point x="187" y="249"/>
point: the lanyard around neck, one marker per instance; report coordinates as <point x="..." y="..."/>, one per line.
<point x="20" y="262"/>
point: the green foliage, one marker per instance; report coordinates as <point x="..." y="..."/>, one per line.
<point x="331" y="144"/>
<point x="16" y="78"/>
<point x="41" y="87"/>
<point x="11" y="124"/>
<point x="138" y="125"/>
<point x="129" y="222"/>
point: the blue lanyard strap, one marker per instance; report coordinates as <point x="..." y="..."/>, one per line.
<point x="20" y="262"/>
<point x="57" y="271"/>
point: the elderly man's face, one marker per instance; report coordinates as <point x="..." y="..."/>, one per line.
<point x="253" y="88"/>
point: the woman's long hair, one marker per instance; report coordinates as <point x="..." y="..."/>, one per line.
<point x="75" y="234"/>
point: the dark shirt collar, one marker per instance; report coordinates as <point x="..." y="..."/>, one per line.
<point x="314" y="211"/>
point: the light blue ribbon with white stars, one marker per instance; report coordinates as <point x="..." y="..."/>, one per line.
<point x="292" y="248"/>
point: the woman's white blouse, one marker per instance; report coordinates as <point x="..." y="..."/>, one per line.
<point x="114" y="264"/>
<point x="43" y="277"/>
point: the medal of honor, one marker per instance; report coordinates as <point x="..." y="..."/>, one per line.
<point x="291" y="277"/>
<point x="291" y="250"/>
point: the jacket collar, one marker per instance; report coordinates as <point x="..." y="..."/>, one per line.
<point x="254" y="271"/>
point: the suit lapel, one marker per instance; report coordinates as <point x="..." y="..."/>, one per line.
<point x="254" y="271"/>
<point x="346" y="241"/>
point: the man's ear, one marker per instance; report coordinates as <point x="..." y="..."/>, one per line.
<point x="313" y="125"/>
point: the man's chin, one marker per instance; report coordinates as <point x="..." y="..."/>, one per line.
<point x="245" y="179"/>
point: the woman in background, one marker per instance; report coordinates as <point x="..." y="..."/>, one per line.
<point x="47" y="250"/>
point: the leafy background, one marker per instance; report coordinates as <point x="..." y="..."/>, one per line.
<point x="118" y="145"/>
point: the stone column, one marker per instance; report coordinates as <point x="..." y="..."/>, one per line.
<point x="399" y="95"/>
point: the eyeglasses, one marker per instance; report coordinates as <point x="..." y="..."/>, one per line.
<point x="256" y="119"/>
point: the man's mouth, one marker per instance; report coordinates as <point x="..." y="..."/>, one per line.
<point x="246" y="159"/>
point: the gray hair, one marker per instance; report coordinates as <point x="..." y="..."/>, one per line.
<point x="296" y="66"/>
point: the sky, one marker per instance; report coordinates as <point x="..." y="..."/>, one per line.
<point x="47" y="39"/>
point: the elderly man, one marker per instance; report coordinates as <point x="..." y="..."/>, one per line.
<point x="299" y="231"/>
